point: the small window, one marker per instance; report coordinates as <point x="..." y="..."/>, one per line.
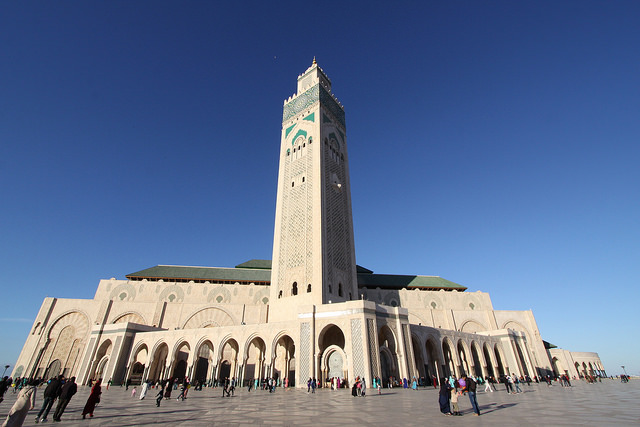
<point x="330" y="289"/>
<point x="309" y="288"/>
<point x="339" y="289"/>
<point x="280" y="294"/>
<point x="303" y="179"/>
<point x="310" y="140"/>
<point x="293" y="184"/>
<point x="294" y="288"/>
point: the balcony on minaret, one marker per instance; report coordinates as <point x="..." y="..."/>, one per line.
<point x="312" y="77"/>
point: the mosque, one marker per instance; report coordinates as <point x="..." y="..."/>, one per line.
<point x="311" y="311"/>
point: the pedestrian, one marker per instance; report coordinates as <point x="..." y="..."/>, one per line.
<point x="160" y="395"/>
<point x="25" y="401"/>
<point x="93" y="400"/>
<point x="470" y="388"/>
<point x="309" y="385"/>
<point x="314" y="385"/>
<point x="517" y="383"/>
<point x="109" y="383"/>
<point x="133" y="391"/>
<point x="51" y="393"/>
<point x="444" y="395"/>
<point x="183" y="390"/>
<point x="487" y="385"/>
<point x="363" y="388"/>
<point x="143" y="392"/>
<point x="69" y="388"/>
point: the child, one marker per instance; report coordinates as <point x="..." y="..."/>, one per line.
<point x="133" y="392"/>
<point x="454" y="402"/>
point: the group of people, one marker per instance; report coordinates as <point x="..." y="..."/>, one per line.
<point x="448" y="396"/>
<point x="58" y="389"/>
<point x="359" y="387"/>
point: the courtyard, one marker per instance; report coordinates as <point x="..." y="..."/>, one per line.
<point x="607" y="403"/>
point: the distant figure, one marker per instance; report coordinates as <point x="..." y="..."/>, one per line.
<point x="93" y="400"/>
<point x="25" y="401"/>
<point x="143" y="392"/>
<point x="133" y="392"/>
<point x="50" y="395"/>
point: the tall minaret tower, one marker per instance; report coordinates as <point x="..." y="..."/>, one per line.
<point x="313" y="250"/>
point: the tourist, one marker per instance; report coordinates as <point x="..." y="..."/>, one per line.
<point x="4" y="386"/>
<point x="143" y="392"/>
<point x="309" y="385"/>
<point x="444" y="396"/>
<point x="159" y="396"/>
<point x="470" y="388"/>
<point x="25" y="401"/>
<point x="225" y="387"/>
<point x="94" y="398"/>
<point x="66" y="393"/>
<point x="314" y="385"/>
<point x="487" y="384"/>
<point x="183" y="391"/>
<point x="516" y="382"/>
<point x="363" y="387"/>
<point x="414" y="384"/>
<point x="51" y="393"/>
<point x="109" y="383"/>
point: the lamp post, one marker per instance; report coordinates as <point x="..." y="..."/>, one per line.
<point x="5" y="369"/>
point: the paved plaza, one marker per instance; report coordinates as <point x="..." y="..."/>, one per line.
<point x="602" y="404"/>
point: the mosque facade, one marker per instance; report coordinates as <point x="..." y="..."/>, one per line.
<point x="310" y="312"/>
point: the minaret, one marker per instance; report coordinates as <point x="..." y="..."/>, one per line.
<point x="313" y="248"/>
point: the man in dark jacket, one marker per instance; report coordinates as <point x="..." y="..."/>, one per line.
<point x="51" y="393"/>
<point x="66" y="393"/>
<point x="471" y="389"/>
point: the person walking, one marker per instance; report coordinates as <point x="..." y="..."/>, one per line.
<point x="160" y="395"/>
<point x="143" y="392"/>
<point x="363" y="387"/>
<point x="93" y="400"/>
<point x="69" y="388"/>
<point x="25" y="401"/>
<point x="51" y="393"/>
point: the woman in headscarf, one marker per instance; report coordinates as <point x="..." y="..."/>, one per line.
<point x="25" y="401"/>
<point x="444" y="396"/>
<point x="93" y="400"/>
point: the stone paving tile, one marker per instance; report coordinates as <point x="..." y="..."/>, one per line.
<point x="609" y="403"/>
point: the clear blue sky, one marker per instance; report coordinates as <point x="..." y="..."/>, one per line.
<point x="495" y="144"/>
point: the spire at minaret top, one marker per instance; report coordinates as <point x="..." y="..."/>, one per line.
<point x="313" y="76"/>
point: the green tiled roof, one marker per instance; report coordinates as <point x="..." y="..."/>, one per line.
<point x="394" y="281"/>
<point x="259" y="270"/>
<point x="213" y="274"/>
<point x="261" y="264"/>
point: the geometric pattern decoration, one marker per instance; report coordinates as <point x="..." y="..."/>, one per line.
<point x="373" y="353"/>
<point x="358" y="353"/>
<point x="305" y="349"/>
<point x="208" y="318"/>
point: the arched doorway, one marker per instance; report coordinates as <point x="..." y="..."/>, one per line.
<point x="180" y="358"/>
<point x="331" y="339"/>
<point x="53" y="370"/>
<point x="501" y="367"/>
<point x="284" y="363"/>
<point x="137" y="369"/>
<point x="388" y="356"/>
<point x="158" y="362"/>
<point x="475" y="356"/>
<point x="449" y="361"/>
<point x="100" y="360"/>
<point x="419" y="359"/>
<point x="204" y="362"/>
<point x="228" y="360"/>
<point x="523" y="363"/>
<point x="254" y="362"/>
<point x="488" y="360"/>
<point x="463" y="356"/>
